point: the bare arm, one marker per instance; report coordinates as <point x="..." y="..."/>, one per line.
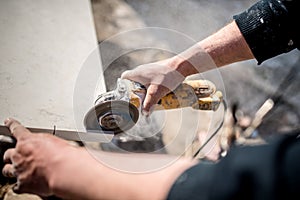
<point x="224" y="47"/>
<point x="46" y="165"/>
<point x="227" y="46"/>
<point x="94" y="180"/>
<point x="221" y="48"/>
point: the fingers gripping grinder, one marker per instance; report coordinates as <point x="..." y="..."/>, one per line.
<point x="119" y="110"/>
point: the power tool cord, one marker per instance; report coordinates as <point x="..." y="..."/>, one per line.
<point x="276" y="97"/>
<point x="215" y="132"/>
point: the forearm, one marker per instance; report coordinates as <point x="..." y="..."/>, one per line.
<point x="227" y="46"/>
<point x="86" y="178"/>
<point x="221" y="48"/>
<point x="81" y="176"/>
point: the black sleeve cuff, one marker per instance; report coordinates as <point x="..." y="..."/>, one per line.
<point x="195" y="183"/>
<point x="269" y="28"/>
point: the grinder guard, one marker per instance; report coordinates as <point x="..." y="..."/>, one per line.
<point x="114" y="115"/>
<point x="117" y="110"/>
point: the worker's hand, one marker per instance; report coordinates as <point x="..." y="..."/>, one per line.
<point x="34" y="160"/>
<point x="159" y="77"/>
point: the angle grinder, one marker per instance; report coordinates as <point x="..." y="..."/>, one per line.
<point x="119" y="110"/>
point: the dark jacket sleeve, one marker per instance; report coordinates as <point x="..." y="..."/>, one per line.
<point x="266" y="172"/>
<point x="270" y="27"/>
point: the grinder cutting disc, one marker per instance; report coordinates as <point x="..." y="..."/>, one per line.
<point x="116" y="115"/>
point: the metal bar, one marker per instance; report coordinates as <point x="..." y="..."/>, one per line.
<point x="90" y="136"/>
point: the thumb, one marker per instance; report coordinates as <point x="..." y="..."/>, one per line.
<point x="136" y="76"/>
<point x="16" y="128"/>
<point x="131" y="75"/>
<point x="126" y="74"/>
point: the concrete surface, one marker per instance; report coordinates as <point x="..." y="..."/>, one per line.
<point x="50" y="69"/>
<point x="45" y="46"/>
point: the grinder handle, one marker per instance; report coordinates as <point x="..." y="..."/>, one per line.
<point x="198" y="94"/>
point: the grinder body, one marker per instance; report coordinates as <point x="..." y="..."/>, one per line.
<point x="119" y="110"/>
